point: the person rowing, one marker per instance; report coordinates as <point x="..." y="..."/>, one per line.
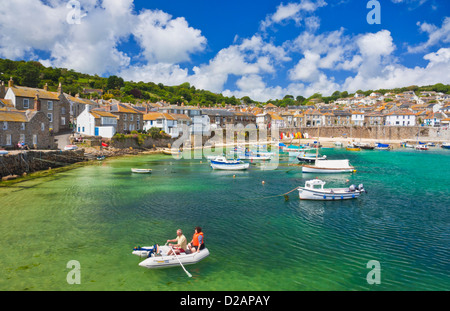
<point x="181" y="243"/>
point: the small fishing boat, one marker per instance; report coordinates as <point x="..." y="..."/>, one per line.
<point x="71" y="147"/>
<point x="3" y="152"/>
<point x="406" y="145"/>
<point x="431" y="144"/>
<point x="141" y="170"/>
<point x="421" y="147"/>
<point x="171" y="151"/>
<point x="329" y="167"/>
<point x="157" y="258"/>
<point x="101" y="158"/>
<point x="308" y="156"/>
<point x="352" y="147"/>
<point x="445" y="145"/>
<point x="221" y="163"/>
<point x="381" y="146"/>
<point x="338" y="144"/>
<point x="314" y="190"/>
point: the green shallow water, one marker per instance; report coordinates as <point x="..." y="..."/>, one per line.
<point x="257" y="240"/>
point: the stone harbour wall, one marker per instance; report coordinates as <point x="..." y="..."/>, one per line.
<point x="31" y="161"/>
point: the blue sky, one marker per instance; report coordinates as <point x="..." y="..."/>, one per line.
<point x="263" y="49"/>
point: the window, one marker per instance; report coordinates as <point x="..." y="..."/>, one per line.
<point x="49" y="105"/>
<point x="22" y="126"/>
<point x="124" y="117"/>
<point x="34" y="139"/>
<point x="42" y="126"/>
<point x="50" y="116"/>
<point x="131" y="117"/>
<point x="5" y="125"/>
<point x="26" y="103"/>
<point x="22" y="137"/>
<point x="63" y="121"/>
<point x="63" y="110"/>
<point x="8" y="139"/>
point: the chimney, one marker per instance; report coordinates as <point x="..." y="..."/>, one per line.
<point x="37" y="103"/>
<point x="60" y="91"/>
<point x="77" y="95"/>
<point x="2" y="90"/>
<point x="10" y="82"/>
<point x="146" y="109"/>
<point x="46" y="87"/>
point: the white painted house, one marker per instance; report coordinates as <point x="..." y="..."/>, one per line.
<point x="358" y="118"/>
<point x="96" y="122"/>
<point x="164" y="121"/>
<point x="401" y="118"/>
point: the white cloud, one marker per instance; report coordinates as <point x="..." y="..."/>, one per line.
<point x="435" y="35"/>
<point x="165" y="39"/>
<point x="293" y="11"/>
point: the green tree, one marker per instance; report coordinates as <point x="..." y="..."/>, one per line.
<point x="29" y="74"/>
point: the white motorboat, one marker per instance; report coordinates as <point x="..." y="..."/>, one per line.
<point x="306" y="156"/>
<point x="329" y="167"/>
<point x="71" y="147"/>
<point x="445" y="146"/>
<point x="160" y="260"/>
<point x="338" y="144"/>
<point x="221" y="163"/>
<point x="314" y="190"/>
<point x="421" y="147"/>
<point x="141" y="170"/>
<point x="3" y="152"/>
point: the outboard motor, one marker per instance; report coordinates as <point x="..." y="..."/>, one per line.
<point x="361" y="187"/>
<point x="352" y="188"/>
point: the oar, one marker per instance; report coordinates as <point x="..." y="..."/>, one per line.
<point x="188" y="274"/>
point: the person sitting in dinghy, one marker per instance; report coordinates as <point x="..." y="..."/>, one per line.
<point x="181" y="243"/>
<point x="198" y="242"/>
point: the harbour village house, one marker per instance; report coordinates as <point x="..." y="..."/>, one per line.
<point x="53" y="104"/>
<point x="29" y="127"/>
<point x="97" y="122"/>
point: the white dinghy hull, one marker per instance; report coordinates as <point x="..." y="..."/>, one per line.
<point x="164" y="261"/>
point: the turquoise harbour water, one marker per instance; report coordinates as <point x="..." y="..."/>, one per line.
<point x="258" y="241"/>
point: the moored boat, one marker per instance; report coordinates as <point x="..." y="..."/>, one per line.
<point x="308" y="156"/>
<point x="3" y="152"/>
<point x="314" y="190"/>
<point x="221" y="163"/>
<point x="421" y="147"/>
<point x="71" y="147"/>
<point x="141" y="170"/>
<point x="159" y="259"/>
<point x="352" y="148"/>
<point x="171" y="151"/>
<point x="381" y="146"/>
<point x="445" y="146"/>
<point x="329" y="167"/>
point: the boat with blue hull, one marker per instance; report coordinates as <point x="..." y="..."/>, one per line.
<point x="221" y="163"/>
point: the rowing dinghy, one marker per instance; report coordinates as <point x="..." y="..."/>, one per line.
<point x="162" y="260"/>
<point x="141" y="170"/>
